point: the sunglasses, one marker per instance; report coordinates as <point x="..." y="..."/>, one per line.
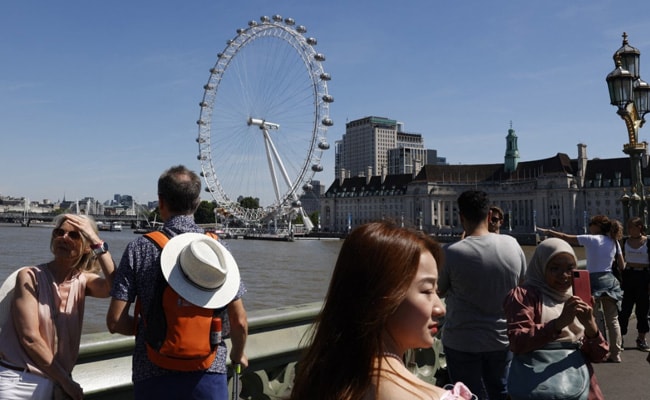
<point x="74" y="235"/>
<point x="496" y="219"/>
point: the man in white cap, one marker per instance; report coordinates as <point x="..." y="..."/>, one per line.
<point x="201" y="271"/>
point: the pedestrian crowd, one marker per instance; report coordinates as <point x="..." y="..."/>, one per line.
<point x="509" y="329"/>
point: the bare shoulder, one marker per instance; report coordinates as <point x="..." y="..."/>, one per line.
<point x="405" y="385"/>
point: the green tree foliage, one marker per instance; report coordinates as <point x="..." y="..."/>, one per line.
<point x="314" y="218"/>
<point x="249" y="202"/>
<point x="205" y="213"/>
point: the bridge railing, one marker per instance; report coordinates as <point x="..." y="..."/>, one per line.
<point x="276" y="337"/>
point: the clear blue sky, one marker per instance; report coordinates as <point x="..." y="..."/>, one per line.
<point x="98" y="98"/>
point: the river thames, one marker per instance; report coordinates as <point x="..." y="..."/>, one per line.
<point x="275" y="273"/>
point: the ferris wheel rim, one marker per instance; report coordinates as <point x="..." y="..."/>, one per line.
<point x="293" y="36"/>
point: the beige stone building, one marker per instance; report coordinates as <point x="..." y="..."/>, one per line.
<point x="558" y="191"/>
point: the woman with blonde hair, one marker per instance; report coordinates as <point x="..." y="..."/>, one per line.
<point x="601" y="248"/>
<point x="39" y="341"/>
<point x="382" y="301"/>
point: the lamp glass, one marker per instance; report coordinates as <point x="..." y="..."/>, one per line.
<point x="620" y="84"/>
<point x="642" y="96"/>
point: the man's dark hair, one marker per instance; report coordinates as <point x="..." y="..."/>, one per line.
<point x="180" y="188"/>
<point x="474" y="205"/>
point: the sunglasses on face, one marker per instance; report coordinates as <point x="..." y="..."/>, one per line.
<point x="496" y="219"/>
<point x="74" y="235"/>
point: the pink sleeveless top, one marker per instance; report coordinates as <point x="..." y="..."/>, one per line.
<point x="60" y="321"/>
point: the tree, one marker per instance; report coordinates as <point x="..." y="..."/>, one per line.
<point x="205" y="213"/>
<point x="249" y="202"/>
<point x="314" y="218"/>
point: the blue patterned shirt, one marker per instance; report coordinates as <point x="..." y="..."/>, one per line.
<point x="136" y="277"/>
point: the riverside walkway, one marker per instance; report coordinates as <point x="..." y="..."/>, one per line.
<point x="629" y="379"/>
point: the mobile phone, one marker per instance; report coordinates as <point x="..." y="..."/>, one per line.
<point x="582" y="285"/>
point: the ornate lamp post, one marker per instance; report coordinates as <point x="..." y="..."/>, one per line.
<point x="631" y="96"/>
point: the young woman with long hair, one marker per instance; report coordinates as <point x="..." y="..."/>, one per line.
<point x="381" y="301"/>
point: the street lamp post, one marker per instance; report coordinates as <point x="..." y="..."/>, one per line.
<point x="631" y="95"/>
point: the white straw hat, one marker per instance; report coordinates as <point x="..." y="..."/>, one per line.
<point x="200" y="269"/>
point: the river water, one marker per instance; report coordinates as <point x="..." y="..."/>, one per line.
<point x="275" y="273"/>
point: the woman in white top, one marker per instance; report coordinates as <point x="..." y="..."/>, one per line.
<point x="601" y="248"/>
<point x="636" y="278"/>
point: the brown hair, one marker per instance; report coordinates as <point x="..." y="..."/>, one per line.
<point x="608" y="226"/>
<point x="638" y="222"/>
<point x="180" y="188"/>
<point x="375" y="267"/>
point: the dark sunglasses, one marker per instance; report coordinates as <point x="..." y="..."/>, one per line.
<point x="74" y="235"/>
<point x="496" y="219"/>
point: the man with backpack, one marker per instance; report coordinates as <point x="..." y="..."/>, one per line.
<point x="187" y="291"/>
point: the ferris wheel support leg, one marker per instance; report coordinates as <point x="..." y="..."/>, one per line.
<point x="287" y="180"/>
<point x="274" y="178"/>
<point x="305" y="220"/>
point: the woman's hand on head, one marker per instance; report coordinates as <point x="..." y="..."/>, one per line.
<point x="84" y="226"/>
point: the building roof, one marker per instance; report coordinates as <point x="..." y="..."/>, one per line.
<point x="608" y="168"/>
<point x="598" y="173"/>
<point x="465" y="173"/>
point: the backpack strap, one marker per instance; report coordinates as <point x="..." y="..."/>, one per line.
<point x="158" y="238"/>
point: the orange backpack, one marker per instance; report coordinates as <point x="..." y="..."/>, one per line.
<point x="177" y="332"/>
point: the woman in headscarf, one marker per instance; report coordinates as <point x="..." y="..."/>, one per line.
<point x="544" y="309"/>
<point x="602" y="249"/>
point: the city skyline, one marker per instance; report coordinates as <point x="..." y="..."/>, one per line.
<point x="97" y="106"/>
